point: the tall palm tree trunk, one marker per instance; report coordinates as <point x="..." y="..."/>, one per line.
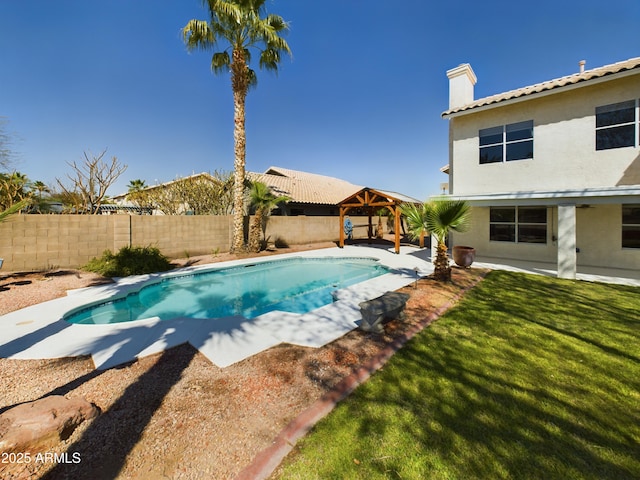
<point x="239" y="84"/>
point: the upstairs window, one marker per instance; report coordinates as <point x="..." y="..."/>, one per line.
<point x="631" y="226"/>
<point x="617" y="125"/>
<point x="518" y="224"/>
<point x="506" y="142"/>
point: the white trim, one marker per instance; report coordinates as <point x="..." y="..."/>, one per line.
<point x="637" y="122"/>
<point x="624" y="194"/>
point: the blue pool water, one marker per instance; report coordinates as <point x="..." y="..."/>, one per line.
<point x="296" y="285"/>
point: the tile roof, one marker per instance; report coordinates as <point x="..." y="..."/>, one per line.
<point x="587" y="75"/>
<point x="301" y="187"/>
<point x="305" y="187"/>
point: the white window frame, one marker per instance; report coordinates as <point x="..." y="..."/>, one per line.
<point x="504" y="143"/>
<point x="636" y="225"/>
<point x="516" y="224"/>
<point x="635" y="122"/>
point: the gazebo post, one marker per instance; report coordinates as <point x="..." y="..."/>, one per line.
<point x="341" y="244"/>
<point x="370" y="230"/>
<point x="396" y="211"/>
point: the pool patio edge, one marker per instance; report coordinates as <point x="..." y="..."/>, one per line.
<point x="40" y="331"/>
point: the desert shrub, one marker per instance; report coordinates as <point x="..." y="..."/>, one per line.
<point x="280" y="242"/>
<point x="129" y="261"/>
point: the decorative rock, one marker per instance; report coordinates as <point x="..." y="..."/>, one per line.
<point x="374" y="312"/>
<point x="43" y="423"/>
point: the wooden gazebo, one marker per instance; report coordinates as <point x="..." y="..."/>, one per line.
<point x="372" y="200"/>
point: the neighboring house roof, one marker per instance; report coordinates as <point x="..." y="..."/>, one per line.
<point x="587" y="76"/>
<point x="300" y="187"/>
<point x="305" y="187"/>
<point x="205" y="175"/>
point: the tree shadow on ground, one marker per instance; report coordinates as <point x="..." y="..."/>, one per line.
<point x="136" y="406"/>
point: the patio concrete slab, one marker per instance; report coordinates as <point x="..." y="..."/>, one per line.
<point x="616" y="276"/>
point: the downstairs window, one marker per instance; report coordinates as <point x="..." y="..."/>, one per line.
<point x="518" y="224"/>
<point x="630" y="226"/>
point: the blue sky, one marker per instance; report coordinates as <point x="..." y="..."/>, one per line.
<point x="361" y="99"/>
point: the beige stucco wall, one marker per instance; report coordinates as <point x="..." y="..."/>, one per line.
<point x="564" y="144"/>
<point x="599" y="238"/>
<point x="35" y="242"/>
<point x="598" y="233"/>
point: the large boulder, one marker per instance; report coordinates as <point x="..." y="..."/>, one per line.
<point x="41" y="424"/>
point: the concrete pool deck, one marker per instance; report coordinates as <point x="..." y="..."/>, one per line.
<point x="40" y="331"/>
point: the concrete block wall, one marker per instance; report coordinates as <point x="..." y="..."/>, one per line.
<point x="41" y="242"/>
<point x="30" y="242"/>
<point x="183" y="235"/>
<point x="302" y="229"/>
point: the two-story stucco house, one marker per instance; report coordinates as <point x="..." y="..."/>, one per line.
<point x="552" y="170"/>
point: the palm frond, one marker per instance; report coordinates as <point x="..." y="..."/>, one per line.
<point x="220" y="62"/>
<point x="15" y="208"/>
<point x="262" y="197"/>
<point x="444" y="215"/>
<point x="269" y="59"/>
<point x="225" y="10"/>
<point x="415" y="216"/>
<point x="198" y="34"/>
<point x="252" y="78"/>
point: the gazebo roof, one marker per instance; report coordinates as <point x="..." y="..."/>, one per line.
<point x="371" y="197"/>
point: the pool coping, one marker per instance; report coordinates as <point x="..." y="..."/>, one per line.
<point x="39" y="331"/>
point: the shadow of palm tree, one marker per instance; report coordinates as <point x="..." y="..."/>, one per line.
<point x="134" y="408"/>
<point x="19" y="344"/>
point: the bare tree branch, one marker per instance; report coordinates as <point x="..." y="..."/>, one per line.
<point x="91" y="180"/>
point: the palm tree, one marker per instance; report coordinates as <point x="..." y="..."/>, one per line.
<point x="13" y="188"/>
<point x="41" y="188"/>
<point x="263" y="200"/>
<point x="136" y="185"/>
<point x="239" y="24"/>
<point x="438" y="218"/>
<point x="138" y="194"/>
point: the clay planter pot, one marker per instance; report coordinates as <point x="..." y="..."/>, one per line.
<point x="464" y="256"/>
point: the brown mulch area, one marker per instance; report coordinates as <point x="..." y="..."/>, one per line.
<point x="175" y="414"/>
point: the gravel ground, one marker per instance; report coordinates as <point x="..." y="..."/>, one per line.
<point x="175" y="414"/>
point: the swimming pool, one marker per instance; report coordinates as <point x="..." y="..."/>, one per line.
<point x="296" y="285"/>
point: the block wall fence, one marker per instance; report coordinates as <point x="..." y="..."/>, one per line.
<point x="41" y="242"/>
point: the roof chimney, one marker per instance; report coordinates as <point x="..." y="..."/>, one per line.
<point x="582" y="63"/>
<point x="461" y="82"/>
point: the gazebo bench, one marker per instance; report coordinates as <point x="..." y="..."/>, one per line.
<point x="387" y="306"/>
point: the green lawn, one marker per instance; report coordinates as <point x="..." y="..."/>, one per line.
<point x="529" y="377"/>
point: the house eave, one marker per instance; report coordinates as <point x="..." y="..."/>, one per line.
<point x="602" y="195"/>
<point x="491" y="104"/>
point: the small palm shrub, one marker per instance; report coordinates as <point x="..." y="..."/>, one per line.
<point x="129" y="261"/>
